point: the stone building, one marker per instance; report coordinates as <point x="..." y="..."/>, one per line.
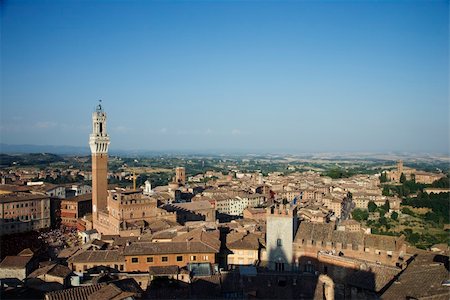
<point x="19" y="266"/>
<point x="192" y="211"/>
<point x="140" y="256"/>
<point x="85" y="260"/>
<point x="314" y="238"/>
<point x="254" y="213"/>
<point x="22" y="212"/>
<point x="74" y="208"/>
<point x="129" y="212"/>
<point x="52" y="273"/>
<point x="124" y="212"/>
<point x="244" y="248"/>
<point x="419" y="176"/>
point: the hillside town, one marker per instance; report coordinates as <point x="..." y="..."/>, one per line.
<point x="236" y="235"/>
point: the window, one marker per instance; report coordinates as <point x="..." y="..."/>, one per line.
<point x="279" y="242"/>
<point x="179" y="258"/>
<point x="134" y="260"/>
<point x="193" y="257"/>
<point x="164" y="259"/>
<point x="121" y="267"/>
<point x="150" y="259"/>
<point x="205" y="257"/>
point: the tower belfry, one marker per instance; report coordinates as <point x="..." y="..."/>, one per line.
<point x="99" y="142"/>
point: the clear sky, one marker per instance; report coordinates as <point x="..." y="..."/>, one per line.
<point x="295" y="76"/>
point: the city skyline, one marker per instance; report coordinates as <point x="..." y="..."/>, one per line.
<point x="229" y="76"/>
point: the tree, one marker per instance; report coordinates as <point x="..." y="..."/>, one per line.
<point x="394" y="216"/>
<point x="360" y="215"/>
<point x="383" y="177"/>
<point x="371" y="206"/>
<point x="386" y="205"/>
<point x="386" y="191"/>
<point x="444" y="182"/>
<point x="407" y="211"/>
<point x="402" y="178"/>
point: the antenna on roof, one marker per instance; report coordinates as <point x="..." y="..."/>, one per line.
<point x="99" y="106"/>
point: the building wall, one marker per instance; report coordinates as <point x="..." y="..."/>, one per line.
<point x="142" y="265"/>
<point x="23" y="216"/>
<point x="50" y="278"/>
<point x="58" y="192"/>
<point x="20" y="274"/>
<point x="83" y="266"/>
<point x="243" y="257"/>
<point x="312" y="249"/>
<point x="72" y="210"/>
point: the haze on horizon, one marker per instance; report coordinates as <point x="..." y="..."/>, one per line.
<point x="253" y="76"/>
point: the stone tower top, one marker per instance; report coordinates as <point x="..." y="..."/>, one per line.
<point x="99" y="139"/>
<point x="282" y="210"/>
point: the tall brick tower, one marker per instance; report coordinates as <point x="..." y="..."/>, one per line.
<point x="180" y="175"/>
<point x="400" y="167"/>
<point x="99" y="142"/>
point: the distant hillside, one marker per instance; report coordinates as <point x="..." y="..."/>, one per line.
<point x="28" y="159"/>
<point x="16" y="149"/>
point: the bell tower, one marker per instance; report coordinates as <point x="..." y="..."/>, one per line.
<point x="99" y="142"/>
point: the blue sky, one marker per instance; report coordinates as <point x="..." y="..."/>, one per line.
<point x="294" y="76"/>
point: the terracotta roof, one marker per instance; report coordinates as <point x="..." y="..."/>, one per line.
<point x="248" y="242"/>
<point x="114" y="290"/>
<point x="78" y="293"/>
<point x="14" y="188"/>
<point x="350" y="222"/>
<point x="423" y="278"/>
<point x="56" y="270"/>
<point x="15" y="262"/>
<point x="210" y="238"/>
<point x="234" y="236"/>
<point x="381" y="242"/>
<point x="79" y="198"/>
<point x="149" y="248"/>
<point x="326" y="233"/>
<point x="15" y="197"/>
<point x="110" y="292"/>
<point x="373" y="279"/>
<point x="158" y="225"/>
<point x="68" y="252"/>
<point x="164" y="270"/>
<point x="256" y="210"/>
<point x="26" y="252"/>
<point x="97" y="256"/>
<point x="192" y="206"/>
<point x="164" y="235"/>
